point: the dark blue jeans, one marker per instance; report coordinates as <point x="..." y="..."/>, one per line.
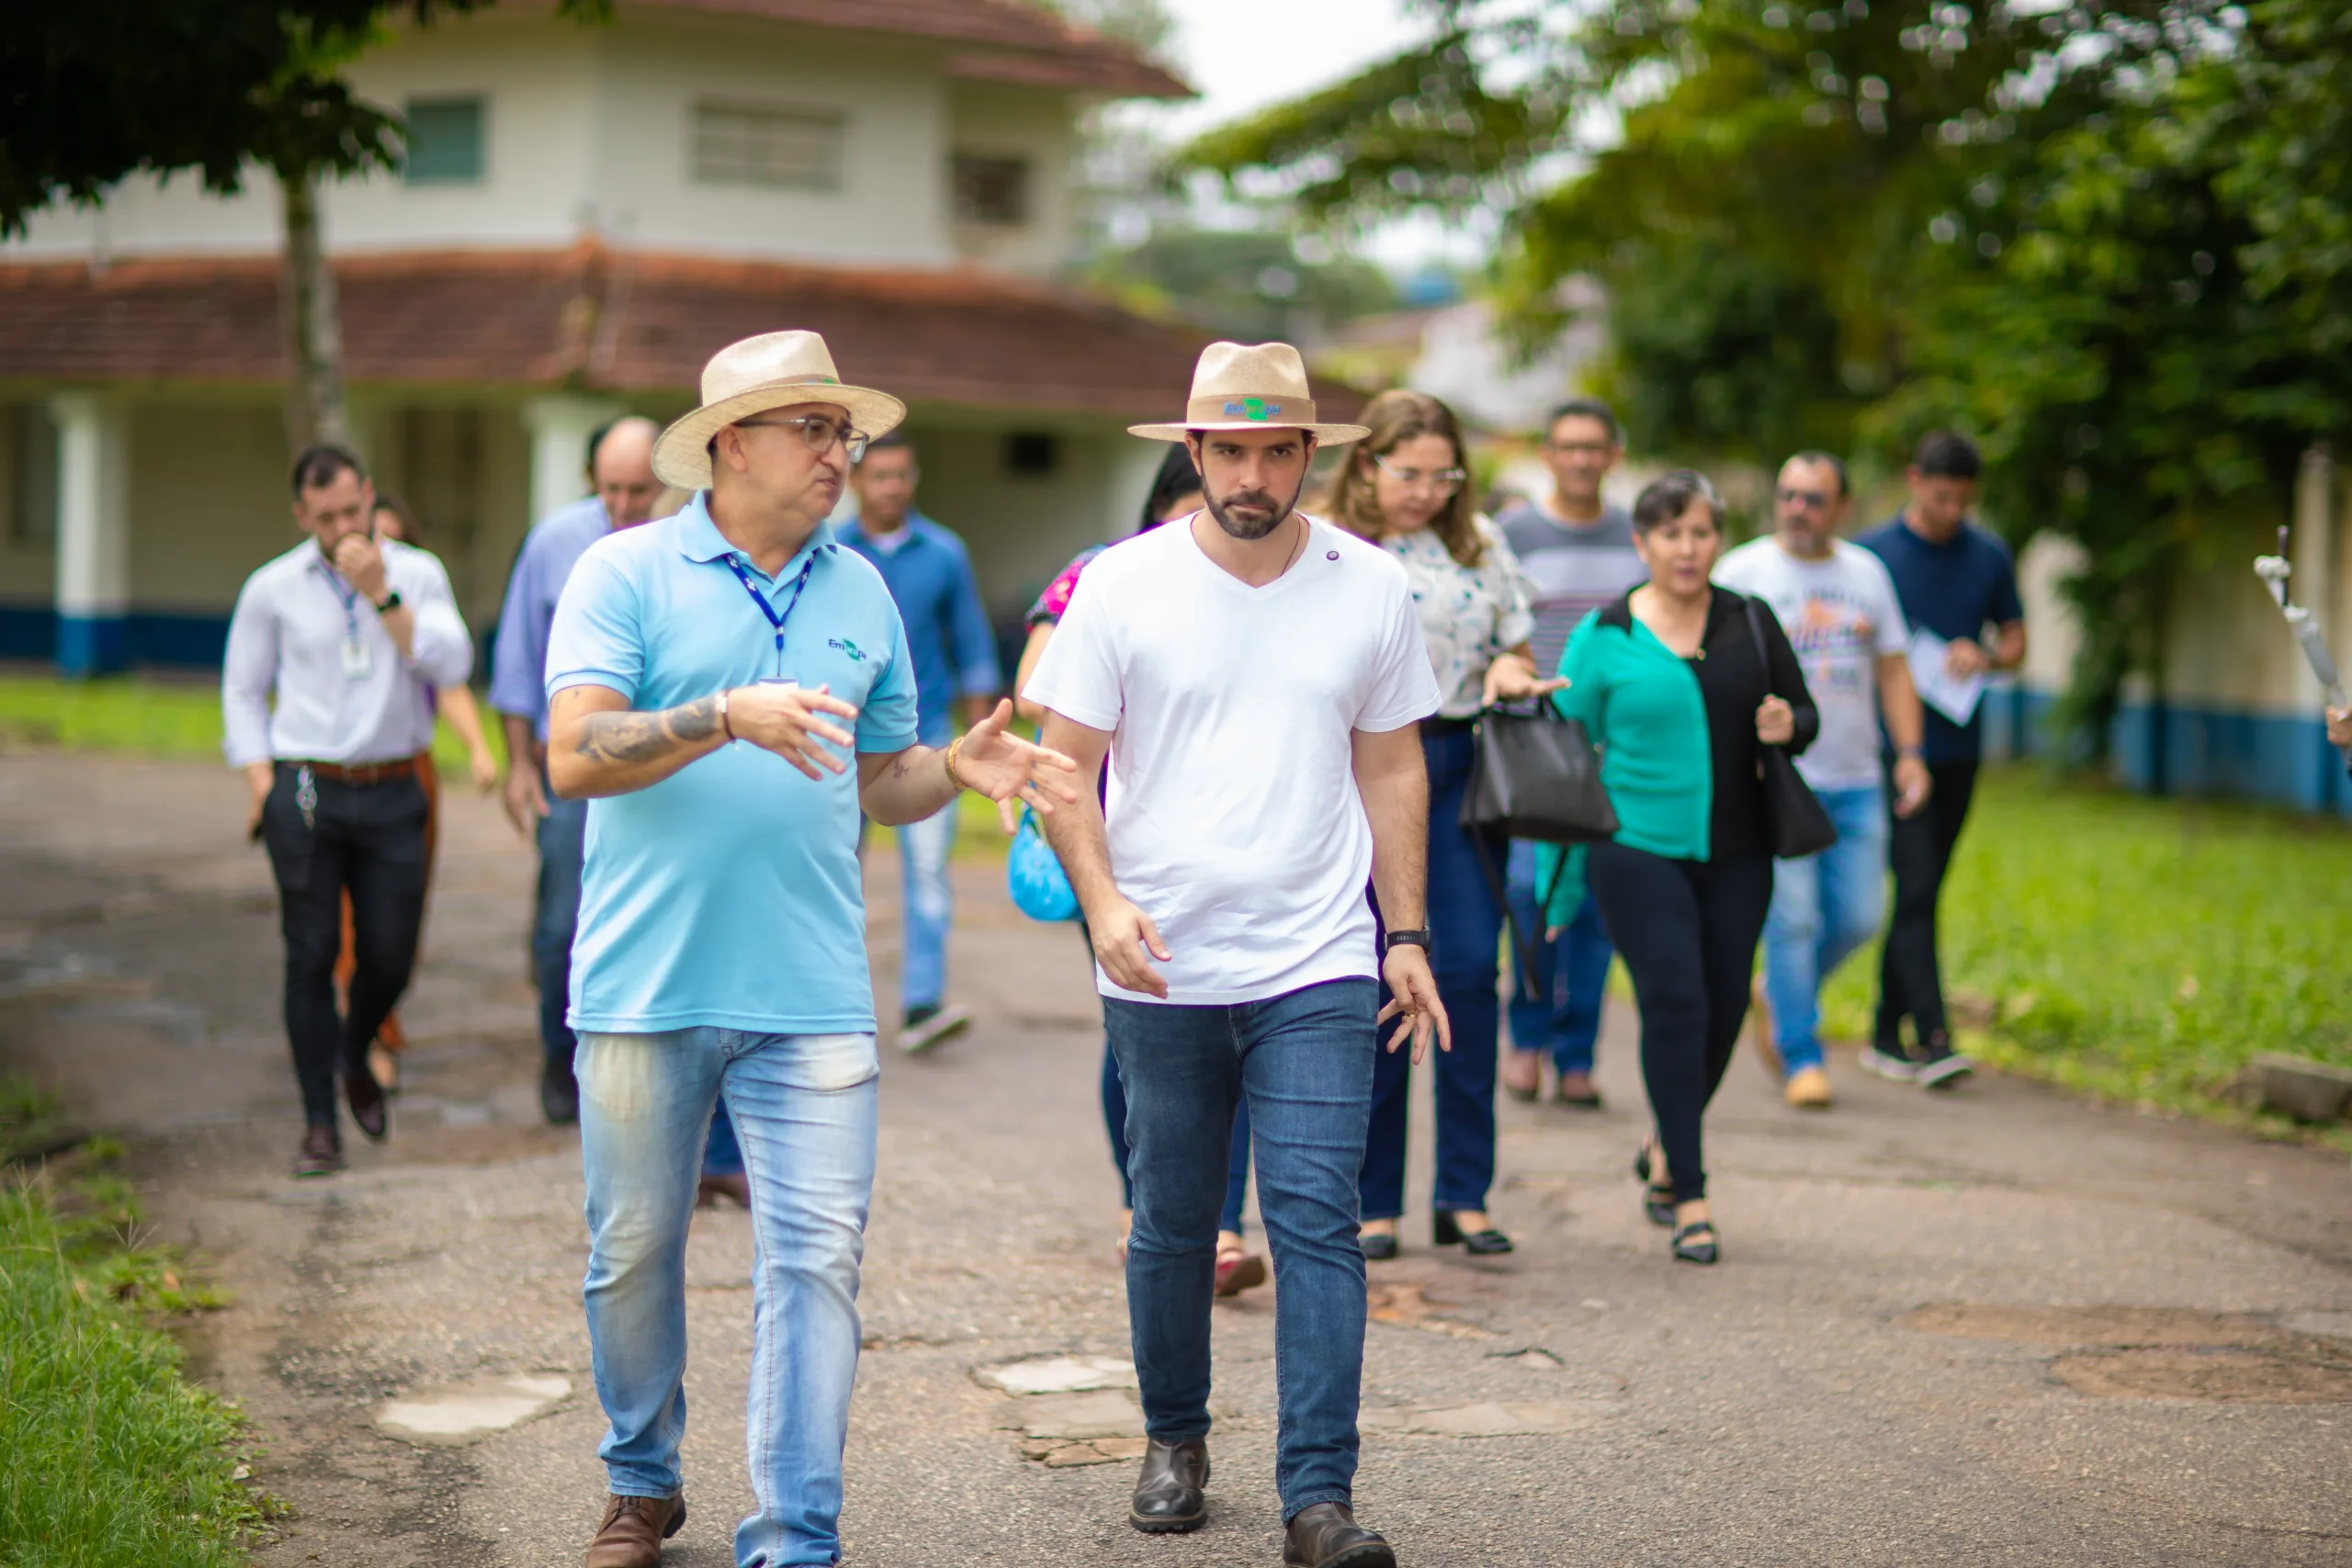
<point x="1302" y="1063"/>
<point x="1465" y="932"/>
<point x="1115" y="1122"/>
<point x="1557" y="1008"/>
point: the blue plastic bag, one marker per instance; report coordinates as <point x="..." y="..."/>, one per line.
<point x="1034" y="876"/>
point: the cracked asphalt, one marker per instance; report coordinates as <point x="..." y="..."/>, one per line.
<point x="1875" y="1374"/>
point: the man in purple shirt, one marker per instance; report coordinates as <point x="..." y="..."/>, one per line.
<point x="620" y="466"/>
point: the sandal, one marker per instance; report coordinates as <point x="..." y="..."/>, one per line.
<point x="1697" y="1242"/>
<point x="1658" y="1201"/>
<point x="1238" y="1269"/>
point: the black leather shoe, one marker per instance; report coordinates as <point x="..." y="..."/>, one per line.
<point x="1446" y="1231"/>
<point x="1327" y="1536"/>
<point x="558" y="1094"/>
<point x="365" y="1096"/>
<point x="1379" y="1246"/>
<point x="1169" y="1498"/>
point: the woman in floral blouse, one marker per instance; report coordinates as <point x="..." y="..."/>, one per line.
<point x="1407" y="488"/>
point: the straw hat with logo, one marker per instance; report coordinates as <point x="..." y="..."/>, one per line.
<point x="1250" y="387"/>
<point x="773" y="370"/>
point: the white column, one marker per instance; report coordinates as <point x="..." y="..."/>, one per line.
<point x="93" y="532"/>
<point x="560" y="427"/>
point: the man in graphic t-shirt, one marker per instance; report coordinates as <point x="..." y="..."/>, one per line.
<point x="1579" y="551"/>
<point x="1257" y="680"/>
<point x="1840" y="609"/>
<point x="1955" y="579"/>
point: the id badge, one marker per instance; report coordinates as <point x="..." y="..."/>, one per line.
<point x="354" y="660"/>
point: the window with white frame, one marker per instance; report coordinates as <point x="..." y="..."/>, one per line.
<point x="776" y="146"/>
<point x="445" y="142"/>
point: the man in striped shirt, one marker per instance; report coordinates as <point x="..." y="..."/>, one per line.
<point x="1579" y="551"/>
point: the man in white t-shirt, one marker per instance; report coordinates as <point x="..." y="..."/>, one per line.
<point x="1257" y="678"/>
<point x="1840" y="608"/>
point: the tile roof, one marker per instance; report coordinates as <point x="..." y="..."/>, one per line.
<point x="1017" y="40"/>
<point x="595" y="319"/>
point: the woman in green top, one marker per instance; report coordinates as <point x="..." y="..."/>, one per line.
<point x="1669" y="683"/>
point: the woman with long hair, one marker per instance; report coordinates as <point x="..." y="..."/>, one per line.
<point x="1681" y="683"/>
<point x="1407" y="488"/>
<point x="1175" y="493"/>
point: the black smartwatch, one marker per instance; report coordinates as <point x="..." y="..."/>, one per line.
<point x="390" y="601"/>
<point x="1419" y="939"/>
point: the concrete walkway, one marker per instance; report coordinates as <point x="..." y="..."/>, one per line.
<point x="1993" y="1326"/>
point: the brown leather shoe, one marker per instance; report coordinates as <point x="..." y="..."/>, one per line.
<point x="1326" y="1535"/>
<point x="365" y="1096"/>
<point x="634" y="1529"/>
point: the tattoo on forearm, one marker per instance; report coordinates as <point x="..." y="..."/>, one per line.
<point x="641" y="737"/>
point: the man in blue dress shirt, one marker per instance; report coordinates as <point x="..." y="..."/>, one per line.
<point x="930" y="576"/>
<point x="620" y="469"/>
<point x="729" y="688"/>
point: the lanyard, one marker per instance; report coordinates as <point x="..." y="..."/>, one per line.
<point x="350" y="597"/>
<point x="798" y="586"/>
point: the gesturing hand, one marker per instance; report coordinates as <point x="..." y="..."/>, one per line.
<point x="1120" y="932"/>
<point x="1776" y="722"/>
<point x="1006" y="768"/>
<point x="1413" y="990"/>
<point x="788" y="720"/>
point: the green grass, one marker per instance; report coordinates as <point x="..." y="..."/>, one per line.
<point x="112" y="1456"/>
<point x="153" y="718"/>
<point x="2139" y="950"/>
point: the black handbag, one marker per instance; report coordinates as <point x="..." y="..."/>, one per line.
<point x="1794" y="819"/>
<point x="1537" y="775"/>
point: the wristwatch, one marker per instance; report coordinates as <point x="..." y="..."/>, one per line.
<point x="389" y="602"/>
<point x="1419" y="939"/>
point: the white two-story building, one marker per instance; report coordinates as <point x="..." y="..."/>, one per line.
<point x="585" y="214"/>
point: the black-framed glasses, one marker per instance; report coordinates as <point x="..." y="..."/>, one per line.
<point x="1816" y="498"/>
<point x="1413" y="479"/>
<point x="817" y="433"/>
<point x="1581" y="448"/>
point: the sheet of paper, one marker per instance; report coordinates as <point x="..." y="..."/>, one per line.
<point x="1955" y="696"/>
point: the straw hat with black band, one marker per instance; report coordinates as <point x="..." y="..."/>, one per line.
<point x="1250" y="387"/>
<point x="773" y="370"/>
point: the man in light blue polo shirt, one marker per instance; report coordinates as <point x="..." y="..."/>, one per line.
<point x="701" y="672"/>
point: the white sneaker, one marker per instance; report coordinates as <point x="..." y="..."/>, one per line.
<point x="929" y="1029"/>
<point x="1889" y="1065"/>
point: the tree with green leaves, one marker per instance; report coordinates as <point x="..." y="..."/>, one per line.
<point x="2113" y="237"/>
<point x="94" y="92"/>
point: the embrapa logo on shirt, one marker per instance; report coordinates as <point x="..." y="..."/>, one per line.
<point x="847" y="647"/>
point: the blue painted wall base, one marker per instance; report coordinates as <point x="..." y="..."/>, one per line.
<point x="92" y="645"/>
<point x="85" y="646"/>
<point x="2186" y="750"/>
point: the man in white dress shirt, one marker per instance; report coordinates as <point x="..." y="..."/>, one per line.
<point x="345" y="631"/>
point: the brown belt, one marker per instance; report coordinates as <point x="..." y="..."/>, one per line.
<point x="363" y="774"/>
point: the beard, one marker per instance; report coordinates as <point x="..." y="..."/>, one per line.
<point x="1270" y="512"/>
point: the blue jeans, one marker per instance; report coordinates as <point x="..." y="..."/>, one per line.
<point x="927" y="908"/>
<point x="563" y="856"/>
<point x="1237" y="1161"/>
<point x="1302" y="1062"/>
<point x="804" y="1107"/>
<point x="1465" y="927"/>
<point x="1571" y="980"/>
<point x="1823" y="906"/>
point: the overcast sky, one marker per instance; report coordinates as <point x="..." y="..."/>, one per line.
<point x="1243" y="55"/>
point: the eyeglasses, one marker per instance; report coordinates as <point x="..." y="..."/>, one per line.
<point x="1414" y="478"/>
<point x="1581" y="448"/>
<point x="1816" y="498"/>
<point x="817" y="433"/>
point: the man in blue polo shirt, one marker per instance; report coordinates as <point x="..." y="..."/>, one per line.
<point x="954" y="657"/>
<point x="1955" y="579"/>
<point x="705" y="674"/>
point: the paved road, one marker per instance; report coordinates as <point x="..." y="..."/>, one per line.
<point x="1997" y="1327"/>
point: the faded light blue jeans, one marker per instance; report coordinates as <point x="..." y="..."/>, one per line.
<point x="927" y="905"/>
<point x="1303" y="1061"/>
<point x="1823" y="906"/>
<point x="803" y="1105"/>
